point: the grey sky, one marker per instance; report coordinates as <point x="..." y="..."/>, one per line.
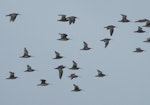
<point x="37" y="29"/>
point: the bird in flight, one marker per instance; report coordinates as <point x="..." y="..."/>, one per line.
<point x="138" y="50"/>
<point x="111" y="28"/>
<point x="71" y="19"/>
<point x="58" y="56"/>
<point x="147" y="40"/>
<point x="60" y="70"/>
<point x="63" y="18"/>
<point x="29" y="69"/>
<point x="100" y="74"/>
<point x="25" y="55"/>
<point x="74" y="66"/>
<point x="13" y="16"/>
<point x="106" y="41"/>
<point x="139" y="30"/>
<point x="147" y="24"/>
<point x="124" y="18"/>
<point x="63" y="37"/>
<point x="12" y="76"/>
<point x="43" y="83"/>
<point x="76" y="88"/>
<point x="72" y="76"/>
<point x="142" y="20"/>
<point x="85" y="46"/>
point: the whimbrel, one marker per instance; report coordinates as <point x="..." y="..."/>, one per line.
<point x="43" y="83"/>
<point x="63" y="18"/>
<point x="60" y="70"/>
<point x="142" y="20"/>
<point x="58" y="56"/>
<point x="13" y="16"/>
<point x="139" y="30"/>
<point x="72" y="76"/>
<point x="12" y="76"/>
<point x="71" y="19"/>
<point x="100" y="74"/>
<point x="138" y="50"/>
<point x="85" y="46"/>
<point x="147" y="24"/>
<point x="147" y="40"/>
<point x="29" y="69"/>
<point x="25" y="55"/>
<point x="74" y="66"/>
<point x="63" y="37"/>
<point x="76" y="88"/>
<point x="111" y="28"/>
<point x="124" y="18"/>
<point x="106" y="41"/>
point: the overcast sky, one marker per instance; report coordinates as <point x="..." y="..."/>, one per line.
<point x="128" y="73"/>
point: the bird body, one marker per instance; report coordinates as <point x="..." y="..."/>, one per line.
<point x="147" y="40"/>
<point x="100" y="74"/>
<point x="29" y="69"/>
<point x="12" y="76"/>
<point x="74" y="66"/>
<point x="140" y="30"/>
<point x="58" y="56"/>
<point x="111" y="28"/>
<point x="124" y="19"/>
<point x="138" y="50"/>
<point x="85" y="47"/>
<point x="43" y="83"/>
<point x="25" y="55"/>
<point x="106" y="41"/>
<point x="60" y="70"/>
<point x="72" y="76"/>
<point x="63" y="37"/>
<point x="76" y="88"/>
<point x="13" y="16"/>
<point x="147" y="24"/>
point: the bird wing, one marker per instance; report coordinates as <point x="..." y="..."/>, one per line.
<point x="60" y="73"/>
<point x="25" y="51"/>
<point x="99" y="72"/>
<point x="75" y="87"/>
<point x="106" y="43"/>
<point x="111" y="31"/>
<point x="85" y="44"/>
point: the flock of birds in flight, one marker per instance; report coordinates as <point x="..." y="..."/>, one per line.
<point x="64" y="37"/>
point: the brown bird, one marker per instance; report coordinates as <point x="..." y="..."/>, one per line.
<point x="58" y="56"/>
<point x="147" y="24"/>
<point x="106" y="41"/>
<point x="60" y="70"/>
<point x="142" y="20"/>
<point x="63" y="18"/>
<point x="12" y="76"/>
<point x="100" y="74"/>
<point x="124" y="18"/>
<point x="147" y="40"/>
<point x="139" y="30"/>
<point x="138" y="50"/>
<point x="29" y="69"/>
<point x="72" y="76"/>
<point x="85" y="46"/>
<point x="111" y="28"/>
<point x="43" y="83"/>
<point x="13" y="16"/>
<point x="25" y="55"/>
<point x="76" y="88"/>
<point x="74" y="66"/>
<point x="71" y="19"/>
<point x="63" y="37"/>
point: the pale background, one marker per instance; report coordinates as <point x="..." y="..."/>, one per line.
<point x="37" y="29"/>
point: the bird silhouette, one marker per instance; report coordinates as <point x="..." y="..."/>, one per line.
<point x="63" y="37"/>
<point x="71" y="19"/>
<point x="138" y="50"/>
<point x="139" y="30"/>
<point x="12" y="76"/>
<point x="106" y="41"/>
<point x="29" y="69"/>
<point x="13" y="16"/>
<point x="142" y="20"/>
<point x="111" y="28"/>
<point x="58" y="56"/>
<point x="100" y="74"/>
<point x="60" y="70"/>
<point x="43" y="83"/>
<point x="147" y="24"/>
<point x="124" y="18"/>
<point x="63" y="18"/>
<point x="74" y="66"/>
<point x="85" y="46"/>
<point x="76" y="88"/>
<point x="147" y="40"/>
<point x="25" y="55"/>
<point x="72" y="76"/>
